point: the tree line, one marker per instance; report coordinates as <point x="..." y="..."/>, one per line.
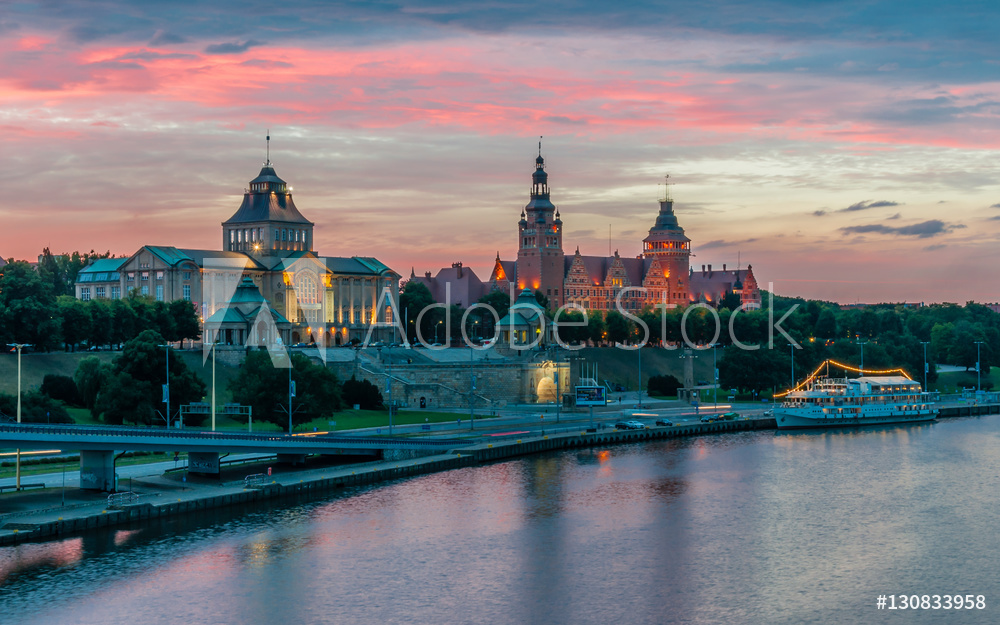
<point x="33" y="311"/>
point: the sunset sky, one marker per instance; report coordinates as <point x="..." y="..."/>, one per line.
<point x="848" y="150"/>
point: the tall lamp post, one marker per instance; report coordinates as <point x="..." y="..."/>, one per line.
<point x="924" y="343"/>
<point x="639" y="390"/>
<point x="715" y="368"/>
<point x="17" y="471"/>
<point x="862" y="344"/>
<point x="792" y="348"/>
<point x="979" y="374"/>
<point x="166" y="387"/>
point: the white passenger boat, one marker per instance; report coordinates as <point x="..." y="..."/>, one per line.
<point x="843" y="402"/>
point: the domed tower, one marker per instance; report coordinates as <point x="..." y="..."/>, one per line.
<point x="667" y="244"/>
<point x="540" y="258"/>
<point x="267" y="222"/>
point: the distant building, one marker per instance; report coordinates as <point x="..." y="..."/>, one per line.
<point x="268" y="242"/>
<point x="466" y="287"/>
<point x="595" y="282"/>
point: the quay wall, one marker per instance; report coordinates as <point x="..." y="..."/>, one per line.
<point x="13" y="533"/>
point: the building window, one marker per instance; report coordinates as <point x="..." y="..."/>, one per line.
<point x="144" y="275"/>
<point x="284" y="235"/>
<point x="159" y="292"/>
<point x="85" y="293"/>
<point x="187" y="292"/>
<point x="144" y="290"/>
<point x="130" y="276"/>
<point x="159" y="275"/>
<point x="100" y="292"/>
<point x="187" y="275"/>
<point x="116" y="292"/>
<point x="277" y="234"/>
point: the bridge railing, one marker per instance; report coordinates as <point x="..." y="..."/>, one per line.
<point x="302" y="438"/>
<point x="257" y="479"/>
<point x="120" y="500"/>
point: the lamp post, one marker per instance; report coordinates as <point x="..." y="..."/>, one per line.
<point x="715" y="368"/>
<point x="17" y="471"/>
<point x="639" y="390"/>
<point x="291" y="393"/>
<point x="437" y="339"/>
<point x="862" y="368"/>
<point x="166" y="387"/>
<point x="979" y="374"/>
<point x="791" y="347"/>
<point x="924" y="343"/>
<point x="472" y="391"/>
<point x="213" y="381"/>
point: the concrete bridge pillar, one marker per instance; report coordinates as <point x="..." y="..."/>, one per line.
<point x="292" y="459"/>
<point x="97" y="470"/>
<point x="204" y="462"/>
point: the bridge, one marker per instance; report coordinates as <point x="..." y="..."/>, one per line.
<point x="98" y="444"/>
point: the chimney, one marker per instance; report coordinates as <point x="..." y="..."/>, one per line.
<point x="703" y="270"/>
<point x="723" y="266"/>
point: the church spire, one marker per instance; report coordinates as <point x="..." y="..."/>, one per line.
<point x="267" y="161"/>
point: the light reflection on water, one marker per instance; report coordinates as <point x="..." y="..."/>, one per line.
<point x="753" y="527"/>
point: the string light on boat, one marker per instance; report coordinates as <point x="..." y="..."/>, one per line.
<point x="814" y="374"/>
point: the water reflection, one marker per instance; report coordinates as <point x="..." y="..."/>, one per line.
<point x="752" y="527"/>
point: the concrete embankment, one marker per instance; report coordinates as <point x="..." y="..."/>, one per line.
<point x="45" y="524"/>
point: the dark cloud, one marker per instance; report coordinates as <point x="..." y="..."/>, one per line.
<point x="995" y="218"/>
<point x="150" y="55"/>
<point x="164" y="38"/>
<point x="232" y="47"/>
<point x="722" y="243"/>
<point x="995" y="206"/>
<point x="896" y="216"/>
<point x="922" y="230"/>
<point x="937" y="246"/>
<point x="819" y="213"/>
<point x="866" y="204"/>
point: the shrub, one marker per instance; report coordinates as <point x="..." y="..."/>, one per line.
<point x="61" y="388"/>
<point x="663" y="385"/>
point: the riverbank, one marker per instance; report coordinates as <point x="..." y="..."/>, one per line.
<point x="44" y="515"/>
<point x="47" y="518"/>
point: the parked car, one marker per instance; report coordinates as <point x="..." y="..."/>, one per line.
<point x="630" y="425"/>
<point x="708" y="418"/>
<point x="664" y="422"/>
<point x="731" y="416"/>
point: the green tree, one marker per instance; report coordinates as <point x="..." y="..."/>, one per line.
<point x="415" y="298"/>
<point x="60" y="388"/>
<point x="76" y="321"/>
<point x="142" y="364"/>
<point x="596" y="330"/>
<point x="265" y="387"/>
<point x="88" y="378"/>
<point x="36" y="407"/>
<point x="30" y="313"/>
<point x="101" y="322"/>
<point x="826" y="324"/>
<point x="363" y="394"/>
<point x="618" y="327"/>
<point x="123" y="320"/>
<point x="185" y="320"/>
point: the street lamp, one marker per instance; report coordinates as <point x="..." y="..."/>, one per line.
<point x="791" y="346"/>
<point x="639" y="390"/>
<point x="862" y="368"/>
<point x="166" y="387"/>
<point x="715" y="366"/>
<point x="17" y="471"/>
<point x="979" y="374"/>
<point x="924" y="343"/>
<point x="436" y="328"/>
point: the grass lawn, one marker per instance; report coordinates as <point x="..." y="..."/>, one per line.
<point x="34" y="368"/>
<point x="346" y="420"/>
<point x="73" y="465"/>
<point x="949" y="382"/>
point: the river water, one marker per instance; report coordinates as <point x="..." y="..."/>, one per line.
<point x="742" y="528"/>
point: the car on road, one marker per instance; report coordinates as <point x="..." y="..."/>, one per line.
<point x="708" y="418"/>
<point x="731" y="416"/>
<point x="664" y="422"/>
<point x="631" y="424"/>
